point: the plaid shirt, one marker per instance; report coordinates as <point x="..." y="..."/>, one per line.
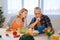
<point x="45" y="21"/>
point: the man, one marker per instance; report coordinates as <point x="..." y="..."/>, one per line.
<point x="40" y="20"/>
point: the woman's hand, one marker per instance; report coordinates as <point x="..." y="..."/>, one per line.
<point x="25" y="22"/>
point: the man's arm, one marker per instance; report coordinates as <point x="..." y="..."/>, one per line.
<point x="32" y="24"/>
<point x="48" y="23"/>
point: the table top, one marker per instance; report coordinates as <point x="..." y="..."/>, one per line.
<point x="38" y="37"/>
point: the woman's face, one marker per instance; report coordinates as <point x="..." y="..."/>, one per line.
<point x="24" y="14"/>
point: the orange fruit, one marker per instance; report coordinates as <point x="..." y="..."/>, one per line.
<point x="29" y="32"/>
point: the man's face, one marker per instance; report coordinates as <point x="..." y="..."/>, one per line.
<point x="37" y="13"/>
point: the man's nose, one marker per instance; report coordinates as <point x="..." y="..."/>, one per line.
<point x="37" y="15"/>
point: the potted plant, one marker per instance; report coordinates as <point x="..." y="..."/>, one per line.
<point x="2" y="18"/>
<point x="49" y="33"/>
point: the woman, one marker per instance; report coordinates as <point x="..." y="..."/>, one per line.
<point x="20" y="21"/>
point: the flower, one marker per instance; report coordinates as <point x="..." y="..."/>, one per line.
<point x="49" y="33"/>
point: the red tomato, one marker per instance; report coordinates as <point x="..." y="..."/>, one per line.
<point x="14" y="33"/>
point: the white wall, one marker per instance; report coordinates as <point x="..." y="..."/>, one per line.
<point x="55" y="19"/>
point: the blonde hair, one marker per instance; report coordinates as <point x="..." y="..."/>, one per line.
<point x="21" y="11"/>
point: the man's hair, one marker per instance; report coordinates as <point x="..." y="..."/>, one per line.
<point x="37" y="8"/>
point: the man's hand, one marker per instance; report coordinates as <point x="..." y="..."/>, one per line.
<point x="38" y="19"/>
<point x="33" y="24"/>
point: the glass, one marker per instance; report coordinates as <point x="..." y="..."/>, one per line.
<point x="30" y="5"/>
<point x="55" y="37"/>
<point x="14" y="6"/>
<point x="51" y="7"/>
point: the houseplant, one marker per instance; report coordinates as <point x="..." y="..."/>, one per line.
<point x="2" y="18"/>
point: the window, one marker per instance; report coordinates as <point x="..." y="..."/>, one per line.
<point x="51" y="7"/>
<point x="14" y="6"/>
<point x="30" y="5"/>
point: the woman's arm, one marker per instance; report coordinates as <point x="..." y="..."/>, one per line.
<point x="25" y="23"/>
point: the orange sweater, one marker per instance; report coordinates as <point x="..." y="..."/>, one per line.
<point x="16" y="26"/>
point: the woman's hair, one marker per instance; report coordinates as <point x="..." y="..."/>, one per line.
<point x="21" y="11"/>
